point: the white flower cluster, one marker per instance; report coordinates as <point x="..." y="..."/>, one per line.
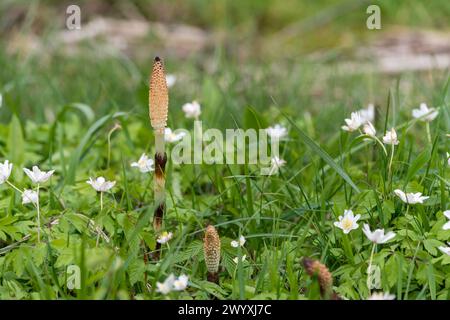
<point x="236" y="244"/>
<point x="36" y="176"/>
<point x="172" y="284"/>
<point x="365" y="118"/>
<point x="348" y="222"/>
<point x="359" y="118"/>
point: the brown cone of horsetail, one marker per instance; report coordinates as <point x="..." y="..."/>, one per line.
<point x="211" y="249"/>
<point x="158" y="110"/>
<point x="315" y="268"/>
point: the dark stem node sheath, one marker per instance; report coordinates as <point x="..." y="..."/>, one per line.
<point x="160" y="165"/>
<point x="213" y="277"/>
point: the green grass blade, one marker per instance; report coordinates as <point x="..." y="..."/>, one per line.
<point x="323" y="154"/>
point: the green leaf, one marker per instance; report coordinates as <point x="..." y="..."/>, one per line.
<point x="191" y="251"/>
<point x="388" y="210"/>
<point x="417" y="164"/>
<point x="431" y="245"/>
<point x="136" y="271"/>
<point x="213" y="289"/>
<point x="76" y="157"/>
<point x="323" y="154"/>
<point x="19" y="260"/>
<point x="431" y="281"/>
<point x="66" y="257"/>
<point x="39" y="253"/>
<point x="252" y="119"/>
<point x="16" y="142"/>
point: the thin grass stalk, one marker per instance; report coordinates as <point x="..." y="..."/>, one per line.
<point x="38" y="215"/>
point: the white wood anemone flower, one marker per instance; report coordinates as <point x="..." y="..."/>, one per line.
<point x="391" y="137"/>
<point x="38" y="176"/>
<point x="172" y="284"/>
<point x="166" y="286"/>
<point x="181" y="283"/>
<point x="445" y="250"/>
<point x="368" y="115"/>
<point x="377" y="236"/>
<point x="381" y="296"/>
<point x="164" y="237"/>
<point x="446" y="226"/>
<point x="424" y="113"/>
<point x="145" y="164"/>
<point x="29" y="196"/>
<point x="369" y="129"/>
<point x="410" y="198"/>
<point x="348" y="222"/>
<point x="101" y="184"/>
<point x="354" y="122"/>
<point x="275" y="165"/>
<point x="277" y="132"/>
<point x="236" y="259"/>
<point x="5" y="171"/>
<point x="170" y="136"/>
<point x="240" y="243"/>
<point x="192" y="109"/>
<point x="448" y="158"/>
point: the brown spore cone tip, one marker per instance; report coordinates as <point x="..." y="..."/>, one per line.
<point x="211" y="247"/>
<point x="158" y="96"/>
<point x="314" y="267"/>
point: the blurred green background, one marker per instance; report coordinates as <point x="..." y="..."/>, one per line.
<point x="300" y="55"/>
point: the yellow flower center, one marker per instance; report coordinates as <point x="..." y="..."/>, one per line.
<point x="347" y="224"/>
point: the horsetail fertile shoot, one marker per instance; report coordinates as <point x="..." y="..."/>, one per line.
<point x="211" y="249"/>
<point x="158" y="109"/>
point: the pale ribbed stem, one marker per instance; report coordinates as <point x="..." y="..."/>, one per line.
<point x="160" y="143"/>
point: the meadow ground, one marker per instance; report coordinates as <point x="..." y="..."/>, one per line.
<point x="79" y="106"/>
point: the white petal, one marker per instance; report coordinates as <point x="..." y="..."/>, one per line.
<point x="400" y="194"/>
<point x="446" y="226"/>
<point x="447" y="213"/>
<point x="241" y="240"/>
<point x="29" y="173"/>
<point x="390" y="235"/>
<point x="445" y="250"/>
<point x="366" y="230"/>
